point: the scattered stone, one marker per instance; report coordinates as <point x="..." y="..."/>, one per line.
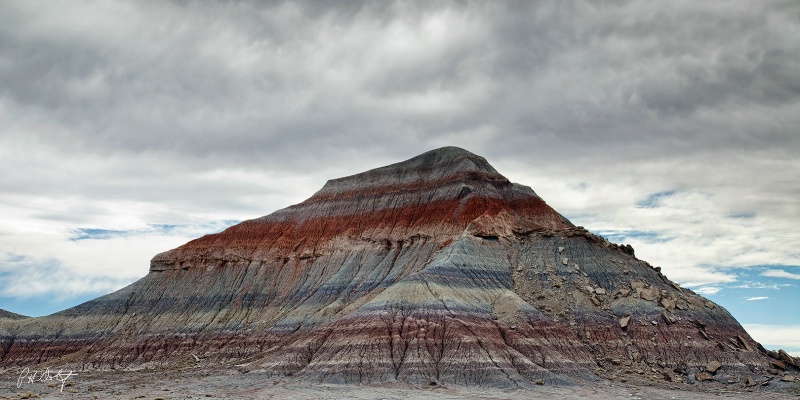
<point x="704" y="376"/>
<point x="778" y="364"/>
<point x="709" y="304"/>
<point x="750" y="381"/>
<point x="649" y="294"/>
<point x="680" y="368"/>
<point x="785" y="357"/>
<point x="565" y="261"/>
<point x="788" y="378"/>
<point x="669" y="320"/>
<point x="668" y="303"/>
<point x="596" y="301"/>
<point x="623" y="322"/>
<point x="600" y="291"/>
<point x="713" y="366"/>
<point x="627" y="249"/>
<point x="560" y="249"/>
<point x="539" y="381"/>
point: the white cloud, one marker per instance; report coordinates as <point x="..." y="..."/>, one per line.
<point x="758" y="285"/>
<point x="786" y="337"/>
<point x="708" y="290"/>
<point x="57" y="264"/>
<point x="756" y="298"/>
<point x="777" y="273"/>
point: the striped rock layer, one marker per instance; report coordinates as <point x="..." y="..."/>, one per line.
<point x="435" y="269"/>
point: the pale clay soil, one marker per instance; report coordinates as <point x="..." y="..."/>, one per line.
<point x="231" y="384"/>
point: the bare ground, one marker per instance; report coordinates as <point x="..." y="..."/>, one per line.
<point x="231" y="384"/>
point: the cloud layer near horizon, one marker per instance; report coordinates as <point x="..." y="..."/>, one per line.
<point x="671" y="126"/>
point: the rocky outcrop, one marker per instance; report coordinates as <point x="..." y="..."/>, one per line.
<point x="433" y="270"/>
<point x="4" y="314"/>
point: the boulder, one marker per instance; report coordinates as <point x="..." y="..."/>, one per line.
<point x="713" y="366"/>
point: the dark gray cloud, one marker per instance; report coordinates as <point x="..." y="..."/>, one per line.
<point x="241" y="83"/>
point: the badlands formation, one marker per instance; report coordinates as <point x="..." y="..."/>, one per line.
<point x="432" y="271"/>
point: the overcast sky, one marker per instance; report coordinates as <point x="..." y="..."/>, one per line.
<point x="129" y="128"/>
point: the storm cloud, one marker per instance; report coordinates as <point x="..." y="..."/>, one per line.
<point x="668" y="125"/>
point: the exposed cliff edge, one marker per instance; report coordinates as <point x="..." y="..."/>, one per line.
<point x="435" y="269"/>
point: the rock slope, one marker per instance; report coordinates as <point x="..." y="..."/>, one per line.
<point x="435" y="269"/>
<point x="4" y="314"/>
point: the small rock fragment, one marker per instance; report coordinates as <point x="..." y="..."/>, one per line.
<point x="623" y="322"/>
<point x="669" y="320"/>
<point x="704" y="376"/>
<point x="668" y="303"/>
<point x="713" y="366"/>
<point x="565" y="260"/>
<point x="778" y="364"/>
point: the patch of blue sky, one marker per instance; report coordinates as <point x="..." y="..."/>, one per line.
<point x="618" y="236"/>
<point x="654" y="200"/>
<point x="40" y="305"/>
<point x="756" y="293"/>
<point x="164" y="229"/>
<point x="98" y="234"/>
<point x="742" y="215"/>
<point x="24" y="281"/>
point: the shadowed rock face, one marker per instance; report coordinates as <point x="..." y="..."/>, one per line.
<point x="433" y="269"/>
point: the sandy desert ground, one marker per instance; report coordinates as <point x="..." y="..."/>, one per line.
<point x="231" y="384"/>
